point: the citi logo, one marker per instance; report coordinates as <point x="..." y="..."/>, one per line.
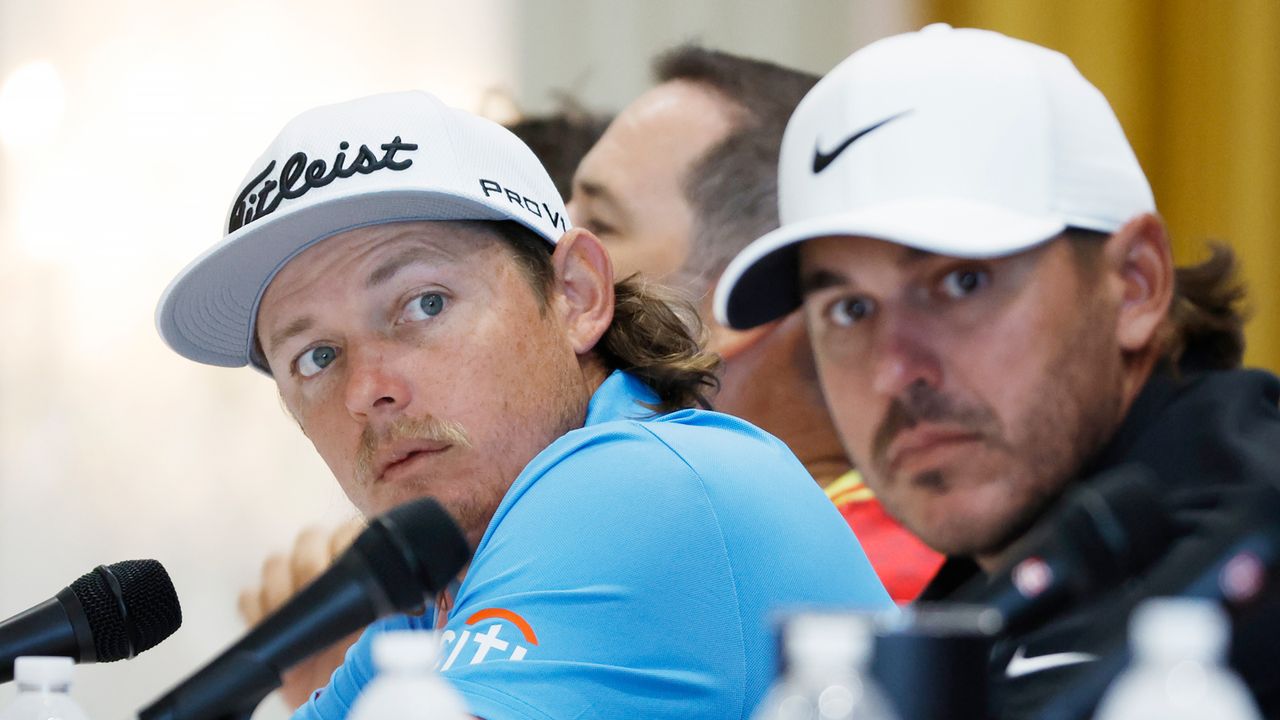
<point x="493" y="634"/>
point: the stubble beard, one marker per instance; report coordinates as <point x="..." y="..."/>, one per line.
<point x="1078" y="410"/>
<point x="1083" y="397"/>
<point x="471" y="501"/>
<point x="378" y="499"/>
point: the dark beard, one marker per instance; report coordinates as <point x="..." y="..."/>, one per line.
<point x="1061" y="456"/>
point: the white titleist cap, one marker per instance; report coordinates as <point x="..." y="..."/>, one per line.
<point x="957" y="142"/>
<point x="380" y="159"/>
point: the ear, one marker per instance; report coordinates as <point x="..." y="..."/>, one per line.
<point x="1139" y="254"/>
<point x="584" y="284"/>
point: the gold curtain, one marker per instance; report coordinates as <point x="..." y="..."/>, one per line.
<point x="1196" y="84"/>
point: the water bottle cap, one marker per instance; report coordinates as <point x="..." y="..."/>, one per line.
<point x="1180" y="628"/>
<point x="843" y="639"/>
<point x="43" y="672"/>
<point x="406" y="650"/>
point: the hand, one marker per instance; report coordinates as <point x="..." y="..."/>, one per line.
<point x="282" y="577"/>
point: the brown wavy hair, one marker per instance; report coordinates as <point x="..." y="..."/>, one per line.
<point x="1207" y="316"/>
<point x="655" y="334"/>
<point x="1205" y="326"/>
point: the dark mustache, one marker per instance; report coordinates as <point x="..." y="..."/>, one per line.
<point x="923" y="403"/>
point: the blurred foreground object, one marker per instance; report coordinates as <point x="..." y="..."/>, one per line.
<point x="407" y="686"/>
<point x="404" y="558"/>
<point x="1178" y="670"/>
<point x="44" y="690"/>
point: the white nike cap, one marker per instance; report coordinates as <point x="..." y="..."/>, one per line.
<point x="380" y="159"/>
<point x="959" y="142"/>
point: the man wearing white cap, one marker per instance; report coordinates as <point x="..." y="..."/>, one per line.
<point x="996" y="320"/>
<point x="405" y="273"/>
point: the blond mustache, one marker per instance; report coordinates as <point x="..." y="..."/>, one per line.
<point x="406" y="428"/>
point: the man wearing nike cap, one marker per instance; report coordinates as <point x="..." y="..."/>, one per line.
<point x="406" y="274"/>
<point x="996" y="320"/>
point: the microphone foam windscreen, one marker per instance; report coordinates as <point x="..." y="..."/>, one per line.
<point x="141" y="609"/>
<point x="433" y="542"/>
<point x="414" y="549"/>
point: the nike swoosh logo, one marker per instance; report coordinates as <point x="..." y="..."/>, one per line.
<point x="821" y="160"/>
<point x="1020" y="664"/>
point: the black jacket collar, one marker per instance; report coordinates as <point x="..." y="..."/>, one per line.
<point x="1186" y="429"/>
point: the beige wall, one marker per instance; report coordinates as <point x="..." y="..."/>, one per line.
<point x="111" y="446"/>
<point x="599" y="50"/>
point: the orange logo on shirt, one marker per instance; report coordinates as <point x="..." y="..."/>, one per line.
<point x="489" y="645"/>
<point x="501" y="614"/>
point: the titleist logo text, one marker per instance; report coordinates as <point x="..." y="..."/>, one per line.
<point x="299" y="174"/>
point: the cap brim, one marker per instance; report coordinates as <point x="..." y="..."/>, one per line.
<point x="762" y="283"/>
<point x="207" y="312"/>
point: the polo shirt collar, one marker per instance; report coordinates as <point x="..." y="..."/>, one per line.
<point x="619" y="397"/>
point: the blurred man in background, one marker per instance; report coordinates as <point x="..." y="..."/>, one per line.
<point x="997" y="322"/>
<point x="684" y="178"/>
<point x="560" y="139"/>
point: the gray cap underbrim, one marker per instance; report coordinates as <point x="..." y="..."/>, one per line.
<point x="208" y="312"/>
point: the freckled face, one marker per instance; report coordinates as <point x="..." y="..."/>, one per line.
<point x="419" y="361"/>
<point x="968" y="391"/>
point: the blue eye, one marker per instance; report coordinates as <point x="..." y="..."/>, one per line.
<point x="316" y="359"/>
<point x="424" y="306"/>
<point x="963" y="283"/>
<point x="847" y="312"/>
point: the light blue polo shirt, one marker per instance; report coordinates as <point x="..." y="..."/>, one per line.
<point x="632" y="571"/>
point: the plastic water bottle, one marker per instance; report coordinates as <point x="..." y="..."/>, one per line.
<point x="44" y="686"/>
<point x="826" y="676"/>
<point x="1178" y="670"/>
<point x="407" y="686"/>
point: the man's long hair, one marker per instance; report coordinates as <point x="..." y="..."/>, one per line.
<point x="1205" y="326"/>
<point x="654" y="335"/>
<point x="1207" y="316"/>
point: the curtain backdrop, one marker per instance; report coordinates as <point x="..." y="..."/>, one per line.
<point x="1196" y="84"/>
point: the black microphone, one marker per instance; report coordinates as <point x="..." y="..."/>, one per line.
<point x="1105" y="530"/>
<point x="402" y="558"/>
<point x="1234" y="560"/>
<point x="111" y="613"/>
